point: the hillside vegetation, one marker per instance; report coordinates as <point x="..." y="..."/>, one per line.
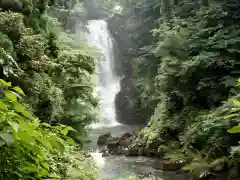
<point x="46" y="91"/>
<point x="183" y="61"/>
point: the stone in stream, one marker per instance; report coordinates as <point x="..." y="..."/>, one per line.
<point x="103" y="139"/>
<point x="124" y="145"/>
<point x="169" y="166"/>
<point x="137" y="148"/>
<point x="114" y="145"/>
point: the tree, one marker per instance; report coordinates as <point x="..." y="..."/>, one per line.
<point x="184" y="60"/>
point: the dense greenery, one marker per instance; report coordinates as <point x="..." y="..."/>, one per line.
<point x="183" y="56"/>
<point x="41" y="53"/>
<point x="54" y="71"/>
<point x="180" y="61"/>
<point x="33" y="150"/>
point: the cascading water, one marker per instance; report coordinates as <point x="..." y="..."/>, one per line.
<point x="108" y="86"/>
<point x="107" y="81"/>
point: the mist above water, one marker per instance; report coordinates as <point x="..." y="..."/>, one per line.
<point x="108" y="84"/>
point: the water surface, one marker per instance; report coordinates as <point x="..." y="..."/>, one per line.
<point x="116" y="167"/>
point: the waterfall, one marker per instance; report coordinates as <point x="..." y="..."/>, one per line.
<point x="108" y="84"/>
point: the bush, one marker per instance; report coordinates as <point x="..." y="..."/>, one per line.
<point x="31" y="149"/>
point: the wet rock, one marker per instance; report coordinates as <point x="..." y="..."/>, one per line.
<point x="115" y="145"/>
<point x="126" y="135"/>
<point x="169" y="166"/>
<point x="105" y="154"/>
<point x="141" y="151"/>
<point x="104" y="151"/>
<point x="132" y="150"/>
<point x="112" y="143"/>
<point x="124" y="108"/>
<point x="119" y="151"/>
<point x="126" y="140"/>
<point x="135" y="149"/>
<point x="149" y="153"/>
<point x="126" y="145"/>
<point x="103" y="139"/>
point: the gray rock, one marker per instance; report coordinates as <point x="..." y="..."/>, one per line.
<point x="103" y="139"/>
<point x="169" y="166"/>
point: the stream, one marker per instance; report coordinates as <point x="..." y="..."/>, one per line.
<point x="118" y="167"/>
<point x="108" y="85"/>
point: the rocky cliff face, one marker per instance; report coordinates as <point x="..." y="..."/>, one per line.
<point x="125" y="107"/>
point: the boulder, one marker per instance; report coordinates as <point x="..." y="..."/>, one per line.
<point x="135" y="149"/>
<point x="126" y="135"/>
<point x="105" y="154"/>
<point x="149" y="152"/>
<point x="103" y="139"/>
<point x="169" y="166"/>
<point x="118" y="151"/>
<point x="112" y="143"/>
<point x="126" y="140"/>
<point x="123" y="145"/>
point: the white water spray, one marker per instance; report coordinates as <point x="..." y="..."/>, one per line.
<point x="108" y="84"/>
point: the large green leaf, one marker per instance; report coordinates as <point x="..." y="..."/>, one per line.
<point x="70" y="141"/>
<point x="236" y="102"/>
<point x="25" y="126"/>
<point x="66" y="129"/>
<point x="43" y="172"/>
<point x="26" y="137"/>
<point x="14" y="125"/>
<point x="3" y="106"/>
<point x="45" y="124"/>
<point x="57" y="143"/>
<point x="235" y="129"/>
<point x="4" y="83"/>
<point x="231" y="116"/>
<point x="38" y="150"/>
<point x="15" y="116"/>
<point x="45" y="165"/>
<point x="45" y="143"/>
<point x="7" y="137"/>
<point x="18" y="90"/>
<point x="20" y="108"/>
<point x="30" y="167"/>
<point x="10" y="96"/>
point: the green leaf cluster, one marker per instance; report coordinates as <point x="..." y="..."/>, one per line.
<point x="41" y="53"/>
<point x="33" y="150"/>
<point x="52" y="64"/>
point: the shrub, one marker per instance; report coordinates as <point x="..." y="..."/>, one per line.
<point x="31" y="149"/>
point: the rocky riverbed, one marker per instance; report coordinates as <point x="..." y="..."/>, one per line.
<point x="113" y="161"/>
<point x="127" y="145"/>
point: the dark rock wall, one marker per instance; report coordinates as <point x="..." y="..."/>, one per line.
<point x="125" y="110"/>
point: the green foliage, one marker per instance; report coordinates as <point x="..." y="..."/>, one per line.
<point x="31" y="149"/>
<point x="234" y="114"/>
<point x="54" y="71"/>
<point x="56" y="75"/>
<point x="184" y="59"/>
